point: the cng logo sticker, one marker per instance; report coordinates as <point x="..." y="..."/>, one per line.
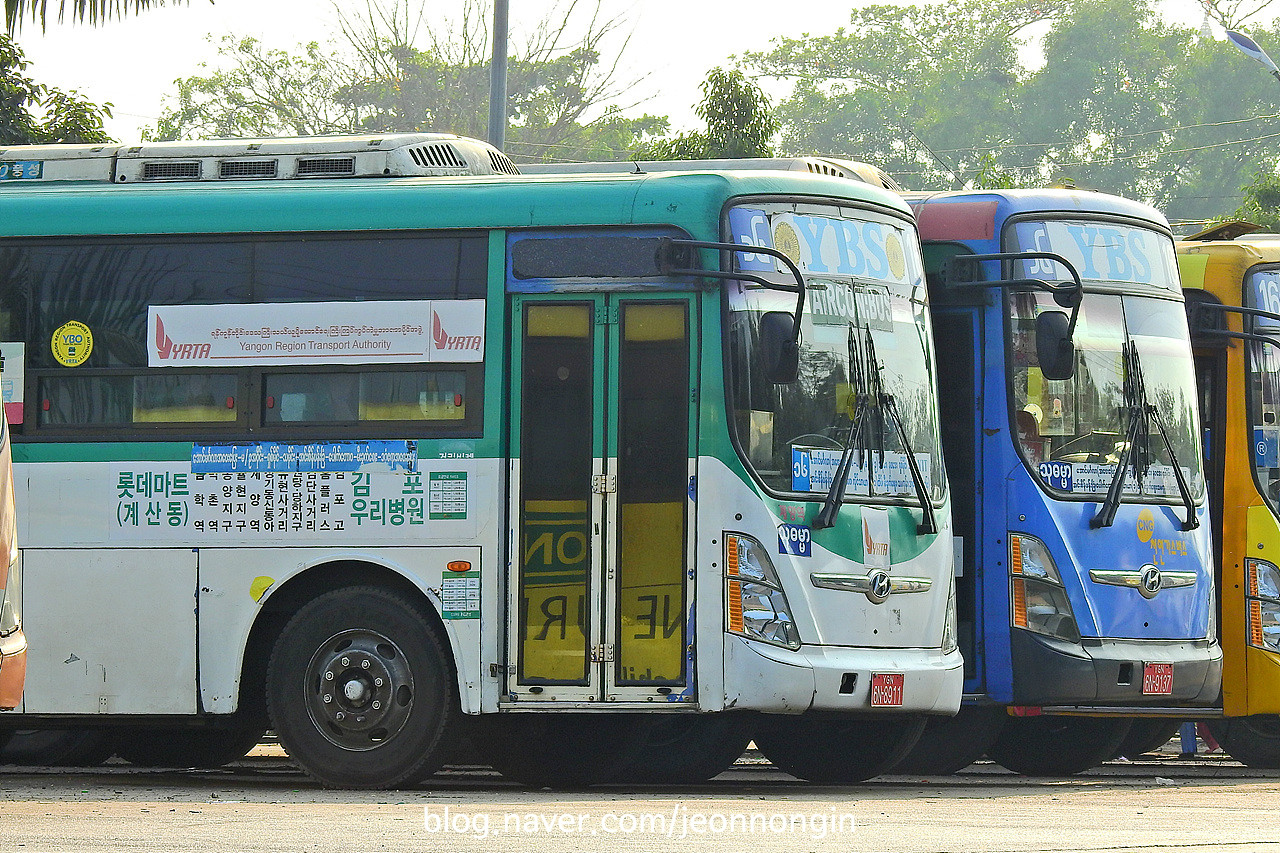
<point x="1146" y="525"/>
<point x="875" y="538"/>
<point x="72" y="344"/>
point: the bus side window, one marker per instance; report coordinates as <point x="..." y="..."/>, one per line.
<point x="311" y="398"/>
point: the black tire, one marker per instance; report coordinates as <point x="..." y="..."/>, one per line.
<point x="1147" y="734"/>
<point x="1057" y="746"/>
<point x="1253" y="741"/>
<point x="688" y="749"/>
<point x="557" y="750"/>
<point x="950" y="744"/>
<point x="837" y="751"/>
<point x="391" y="691"/>
<point x="203" y="748"/>
<point x="59" y="747"/>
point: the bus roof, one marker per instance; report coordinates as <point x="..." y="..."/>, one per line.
<point x="853" y="170"/>
<point x="693" y="201"/>
<point x="1219" y="265"/>
<point x="1003" y="203"/>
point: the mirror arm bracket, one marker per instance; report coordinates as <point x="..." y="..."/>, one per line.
<point x="1066" y="295"/>
<point x="668" y="256"/>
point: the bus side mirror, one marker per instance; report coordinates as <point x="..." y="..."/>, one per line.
<point x="1054" y="348"/>
<point x="779" y="350"/>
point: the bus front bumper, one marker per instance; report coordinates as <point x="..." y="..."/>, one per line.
<point x="1047" y="671"/>
<point x="765" y="678"/>
<point x="13" y="669"/>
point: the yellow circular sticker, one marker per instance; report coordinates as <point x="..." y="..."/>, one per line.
<point x="786" y="241"/>
<point x="897" y="261"/>
<point x="1146" y="525"/>
<point x="72" y="343"/>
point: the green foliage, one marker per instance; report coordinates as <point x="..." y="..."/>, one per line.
<point x="1261" y="204"/>
<point x="32" y="113"/>
<point x="92" y="12"/>
<point x="377" y="79"/>
<point x="739" y="123"/>
<point x="989" y="176"/>
<point x="1124" y="103"/>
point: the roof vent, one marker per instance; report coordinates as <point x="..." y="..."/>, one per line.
<point x="438" y="155"/>
<point x="502" y="164"/>
<point x="231" y="170"/>
<point x="171" y="170"/>
<point x="370" y="156"/>
<point x="321" y="167"/>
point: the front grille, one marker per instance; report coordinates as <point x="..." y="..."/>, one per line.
<point x="232" y="169"/>
<point x="171" y="171"/>
<point x="320" y="166"/>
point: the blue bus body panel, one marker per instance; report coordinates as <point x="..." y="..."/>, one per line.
<point x="1014" y="666"/>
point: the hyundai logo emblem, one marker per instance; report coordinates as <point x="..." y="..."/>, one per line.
<point x="1149" y="581"/>
<point x="880" y="586"/>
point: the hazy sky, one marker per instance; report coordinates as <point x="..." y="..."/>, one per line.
<point x="133" y="63"/>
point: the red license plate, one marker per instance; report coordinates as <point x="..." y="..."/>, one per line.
<point x="1157" y="678"/>
<point x="886" y="688"/>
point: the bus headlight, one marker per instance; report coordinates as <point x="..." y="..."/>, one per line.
<point x="950" y="628"/>
<point x="1039" y="601"/>
<point x="1263" y="596"/>
<point x="755" y="605"/>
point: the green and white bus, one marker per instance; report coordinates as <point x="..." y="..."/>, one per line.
<point x="376" y="442"/>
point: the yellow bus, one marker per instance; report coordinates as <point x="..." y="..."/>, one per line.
<point x="1231" y="278"/>
<point x="13" y="644"/>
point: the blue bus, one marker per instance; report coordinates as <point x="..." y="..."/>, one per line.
<point x="1070" y="428"/>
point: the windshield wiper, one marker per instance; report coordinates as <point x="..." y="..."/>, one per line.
<point x="866" y="433"/>
<point x="864" y="381"/>
<point x="1137" y="445"/>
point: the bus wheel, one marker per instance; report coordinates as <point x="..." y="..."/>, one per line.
<point x="204" y="748"/>
<point x="949" y="744"/>
<point x="557" y="750"/>
<point x="837" y="751"/>
<point x="360" y="690"/>
<point x="1147" y="734"/>
<point x="59" y="747"/>
<point x="1057" y="746"/>
<point x="1253" y="741"/>
<point x="687" y="749"/>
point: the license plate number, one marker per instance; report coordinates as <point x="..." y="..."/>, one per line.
<point x="886" y="688"/>
<point x="1157" y="678"/>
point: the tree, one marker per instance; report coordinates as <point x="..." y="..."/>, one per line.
<point x="62" y="116"/>
<point x="390" y="72"/>
<point x="1125" y="103"/>
<point x="902" y="79"/>
<point x="1261" y="204"/>
<point x="93" y="12"/>
<point x="739" y="123"/>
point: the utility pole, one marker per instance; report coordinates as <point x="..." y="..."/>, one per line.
<point x="498" y="77"/>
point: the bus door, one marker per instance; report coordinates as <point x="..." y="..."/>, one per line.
<point x="603" y="409"/>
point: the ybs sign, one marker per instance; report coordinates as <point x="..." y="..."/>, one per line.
<point x="1100" y="251"/>
<point x="825" y="245"/>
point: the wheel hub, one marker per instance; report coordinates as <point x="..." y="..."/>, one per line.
<point x="362" y="689"/>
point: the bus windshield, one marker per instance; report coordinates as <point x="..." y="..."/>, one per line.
<point x="1073" y="431"/>
<point x="865" y="326"/>
<point x="1262" y="287"/>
